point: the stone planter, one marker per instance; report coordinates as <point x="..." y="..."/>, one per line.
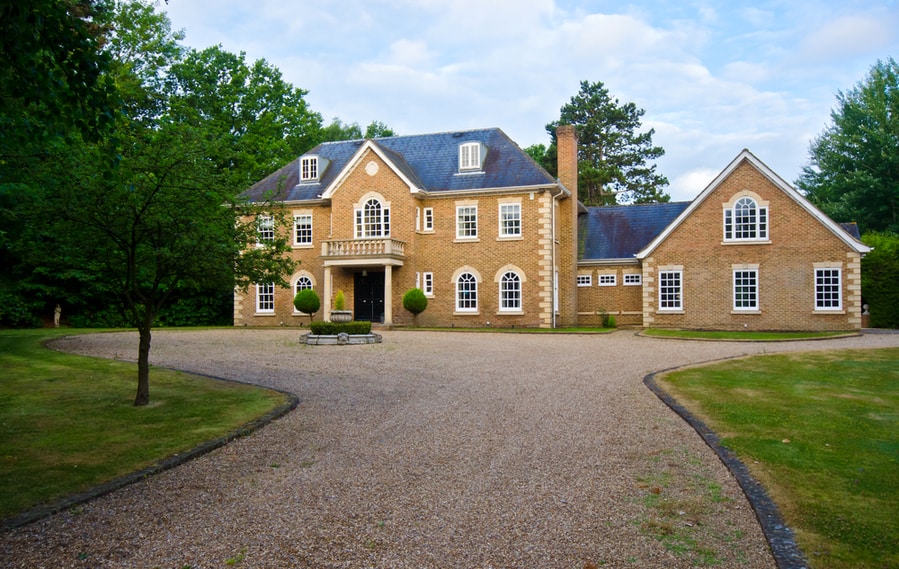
<point x="341" y="316"/>
<point x="342" y="339"/>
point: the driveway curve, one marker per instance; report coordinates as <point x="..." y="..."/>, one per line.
<point x="431" y="449"/>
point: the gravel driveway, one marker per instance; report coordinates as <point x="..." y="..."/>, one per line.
<point x="431" y="449"/>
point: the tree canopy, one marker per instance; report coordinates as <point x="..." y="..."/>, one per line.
<point x="613" y="155"/>
<point x="853" y="169"/>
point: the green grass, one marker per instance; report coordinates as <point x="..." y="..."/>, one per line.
<point x="821" y="432"/>
<point x="725" y="335"/>
<point x="67" y="422"/>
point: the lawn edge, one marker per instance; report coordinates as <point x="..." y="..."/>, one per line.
<point x="781" y="541"/>
<point x="48" y="509"/>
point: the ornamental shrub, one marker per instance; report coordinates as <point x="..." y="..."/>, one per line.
<point x="340" y="300"/>
<point x="307" y="302"/>
<point x="415" y="301"/>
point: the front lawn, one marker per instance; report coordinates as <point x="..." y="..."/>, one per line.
<point x="67" y="422"/>
<point x="821" y="432"/>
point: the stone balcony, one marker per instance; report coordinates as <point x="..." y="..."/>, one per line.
<point x="362" y="250"/>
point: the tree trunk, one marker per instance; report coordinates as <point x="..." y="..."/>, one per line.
<point x="143" y="367"/>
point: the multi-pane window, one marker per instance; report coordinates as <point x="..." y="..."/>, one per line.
<point x="466" y="221"/>
<point x="265" y="297"/>
<point x="745" y="221"/>
<point x="373" y="220"/>
<point x="265" y="228"/>
<point x="302" y="283"/>
<point x="828" y="289"/>
<point x="607" y="280"/>
<point x="510" y="220"/>
<point x="429" y="219"/>
<point x="427" y="283"/>
<point x="670" y="290"/>
<point x="309" y="168"/>
<point x="470" y="156"/>
<point x="302" y="229"/>
<point x="632" y="279"/>
<point x="510" y="291"/>
<point x="585" y="280"/>
<point x="466" y="293"/>
<point x="746" y="290"/>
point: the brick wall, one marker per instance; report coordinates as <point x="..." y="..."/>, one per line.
<point x="786" y="266"/>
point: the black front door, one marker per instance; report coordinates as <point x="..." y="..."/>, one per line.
<point x="369" y="294"/>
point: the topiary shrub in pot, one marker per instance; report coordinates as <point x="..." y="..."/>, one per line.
<point x="307" y="302"/>
<point x="340" y="314"/>
<point x="415" y="301"/>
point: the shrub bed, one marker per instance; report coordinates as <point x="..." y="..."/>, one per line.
<point x="334" y="328"/>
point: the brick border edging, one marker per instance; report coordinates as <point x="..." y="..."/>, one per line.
<point x="780" y="537"/>
<point x="46" y="510"/>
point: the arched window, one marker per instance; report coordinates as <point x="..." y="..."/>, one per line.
<point x="372" y="220"/>
<point x="466" y="293"/>
<point x="302" y="283"/>
<point x="510" y="292"/>
<point x="745" y="221"/>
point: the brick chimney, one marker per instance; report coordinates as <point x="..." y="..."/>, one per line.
<point x="566" y="145"/>
<point x="566" y="232"/>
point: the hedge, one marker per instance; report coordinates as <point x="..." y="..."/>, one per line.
<point x="334" y="328"/>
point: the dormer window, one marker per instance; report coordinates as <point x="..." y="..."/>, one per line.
<point x="471" y="155"/>
<point x="309" y="168"/>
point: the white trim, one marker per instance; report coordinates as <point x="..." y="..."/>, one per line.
<point x="354" y="162"/>
<point x="748" y="156"/>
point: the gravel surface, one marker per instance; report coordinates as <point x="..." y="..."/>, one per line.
<point x="431" y="449"/>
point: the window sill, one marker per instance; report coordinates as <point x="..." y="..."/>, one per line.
<point x="745" y="311"/>
<point x="835" y="311"/>
<point x="510" y="313"/>
<point x="264" y="314"/>
<point x="510" y="238"/>
<point x="474" y="313"/>
<point x="303" y="246"/>
<point x="466" y="240"/>
<point x="666" y="311"/>
<point x="747" y="242"/>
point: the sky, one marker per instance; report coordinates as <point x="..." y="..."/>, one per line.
<point x="713" y="77"/>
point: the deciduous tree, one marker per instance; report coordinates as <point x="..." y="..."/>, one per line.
<point x="853" y="169"/>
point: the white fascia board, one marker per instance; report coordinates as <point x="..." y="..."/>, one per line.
<point x="777" y="181"/>
<point x="354" y="162"/>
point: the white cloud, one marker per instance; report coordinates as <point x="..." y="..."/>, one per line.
<point x="848" y="36"/>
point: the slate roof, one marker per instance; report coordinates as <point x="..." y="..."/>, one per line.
<point x="430" y="161"/>
<point x="619" y="232"/>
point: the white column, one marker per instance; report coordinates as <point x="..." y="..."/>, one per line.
<point x="326" y="296"/>
<point x="388" y="295"/>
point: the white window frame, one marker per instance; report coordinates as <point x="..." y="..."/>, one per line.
<point x="746" y="290"/>
<point x="428" y="224"/>
<point x="828" y="294"/>
<point x="606" y="279"/>
<point x="298" y="222"/>
<point x="470" y="156"/>
<point x="510" y="292"/>
<point x="467" y="299"/>
<point x="467" y="222"/>
<point x="427" y="283"/>
<point x="372" y="222"/>
<point x="746" y="220"/>
<point x="632" y="279"/>
<point x="510" y="220"/>
<point x="265" y="298"/>
<point x="309" y="168"/>
<point x="585" y="280"/>
<point x="265" y="229"/>
<point x="671" y="291"/>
